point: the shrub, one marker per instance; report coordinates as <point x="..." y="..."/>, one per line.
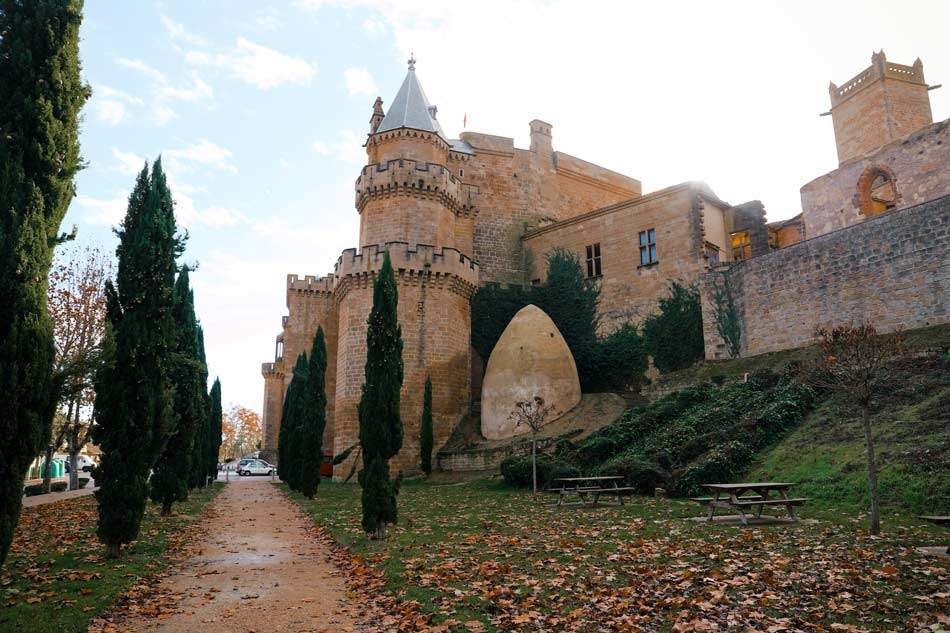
<point x="621" y="359"/>
<point x="640" y="474"/>
<point x="674" y="335"/>
<point x="516" y="470"/>
<point x="723" y="463"/>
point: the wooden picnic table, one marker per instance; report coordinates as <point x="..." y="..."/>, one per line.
<point x="588" y="488"/>
<point x="733" y="496"/>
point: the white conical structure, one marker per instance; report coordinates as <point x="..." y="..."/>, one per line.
<point x="530" y="359"/>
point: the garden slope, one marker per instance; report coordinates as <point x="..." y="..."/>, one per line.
<point x="825" y="454"/>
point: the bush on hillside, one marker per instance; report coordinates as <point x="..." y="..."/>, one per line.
<point x="724" y="463"/>
<point x="639" y="473"/>
<point x="674" y="335"/>
<point x="517" y="471"/>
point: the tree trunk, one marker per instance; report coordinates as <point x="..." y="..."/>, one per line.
<point x="74" y="449"/>
<point x="48" y="467"/>
<point x="534" y="466"/>
<point x="872" y="471"/>
<point x="73" y="461"/>
<point x="166" y="507"/>
<point x="112" y="550"/>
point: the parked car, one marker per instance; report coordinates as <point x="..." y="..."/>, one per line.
<point x="84" y="462"/>
<point x="256" y="467"/>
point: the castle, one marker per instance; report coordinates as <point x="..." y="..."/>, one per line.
<point x="455" y="214"/>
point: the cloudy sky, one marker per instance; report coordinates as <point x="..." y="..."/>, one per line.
<point x="260" y="109"/>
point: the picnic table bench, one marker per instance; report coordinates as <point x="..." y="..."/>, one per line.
<point x="588" y="488"/>
<point x="733" y="496"/>
<point x="942" y="521"/>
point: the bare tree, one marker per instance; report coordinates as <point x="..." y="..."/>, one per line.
<point x="854" y="362"/>
<point x="533" y="414"/>
<point x="77" y="306"/>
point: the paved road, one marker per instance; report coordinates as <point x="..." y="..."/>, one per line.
<point x="256" y="570"/>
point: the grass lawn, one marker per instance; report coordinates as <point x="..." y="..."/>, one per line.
<point x="479" y="556"/>
<point x="57" y="578"/>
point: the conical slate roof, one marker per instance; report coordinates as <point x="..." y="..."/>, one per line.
<point x="410" y="108"/>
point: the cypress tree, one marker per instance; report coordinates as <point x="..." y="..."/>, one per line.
<point x="134" y="410"/>
<point x="169" y="482"/>
<point x="41" y="94"/>
<point x="425" y="430"/>
<point x="381" y="431"/>
<point x="310" y="444"/>
<point x="198" y="470"/>
<point x="214" y="429"/>
<point x="288" y="467"/>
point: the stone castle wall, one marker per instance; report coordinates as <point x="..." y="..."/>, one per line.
<point x="891" y="270"/>
<point x="629" y="291"/>
<point x="518" y="188"/>
<point x="919" y="166"/>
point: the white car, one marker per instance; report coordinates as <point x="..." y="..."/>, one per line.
<point x="256" y="467"/>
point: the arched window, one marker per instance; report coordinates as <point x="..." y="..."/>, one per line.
<point x="877" y="191"/>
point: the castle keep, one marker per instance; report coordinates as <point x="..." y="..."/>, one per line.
<point x="455" y="214"/>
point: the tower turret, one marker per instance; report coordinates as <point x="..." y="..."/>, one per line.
<point x="406" y="193"/>
<point x="882" y="103"/>
<point x="378" y="115"/>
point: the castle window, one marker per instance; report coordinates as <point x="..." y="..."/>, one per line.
<point x="593" y="260"/>
<point x="877" y="191"/>
<point x="279" y="350"/>
<point x="712" y="254"/>
<point x="461" y="173"/>
<point x="741" y="245"/>
<point x="648" y="248"/>
<point x="536" y="282"/>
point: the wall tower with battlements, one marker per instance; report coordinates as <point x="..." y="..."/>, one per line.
<point x="882" y="103"/>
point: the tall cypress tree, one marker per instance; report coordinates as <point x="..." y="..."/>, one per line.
<point x="310" y="444"/>
<point x="41" y="94"/>
<point x="425" y="430"/>
<point x="134" y="410"/>
<point x="198" y="475"/>
<point x="169" y="482"/>
<point x="288" y="465"/>
<point x="381" y="431"/>
<point x="214" y="429"/>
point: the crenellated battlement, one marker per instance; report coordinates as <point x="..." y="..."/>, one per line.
<point x="419" y="263"/>
<point x="403" y="176"/>
<point x="880" y="68"/>
<point x="311" y="283"/>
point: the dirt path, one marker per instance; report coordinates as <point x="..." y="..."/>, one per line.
<point x="255" y="571"/>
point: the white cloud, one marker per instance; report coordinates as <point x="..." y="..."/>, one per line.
<point x="164" y="91"/>
<point x="267" y="22"/>
<point x="373" y="26"/>
<point x="359" y="81"/>
<point x="162" y="114"/>
<point x="109" y="92"/>
<point x="128" y="163"/>
<point x="204" y="152"/>
<point x="111" y="112"/>
<point x="178" y="32"/>
<point x="103" y="211"/>
<point x="257" y="65"/>
<point x="348" y="147"/>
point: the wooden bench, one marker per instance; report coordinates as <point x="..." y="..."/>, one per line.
<point x="747" y="495"/>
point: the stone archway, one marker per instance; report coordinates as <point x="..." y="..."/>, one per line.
<point x="877" y="191"/>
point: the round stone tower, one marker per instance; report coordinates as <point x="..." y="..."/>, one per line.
<point x="414" y="207"/>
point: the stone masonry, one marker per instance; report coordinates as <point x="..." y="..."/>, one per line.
<point x="892" y="271"/>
